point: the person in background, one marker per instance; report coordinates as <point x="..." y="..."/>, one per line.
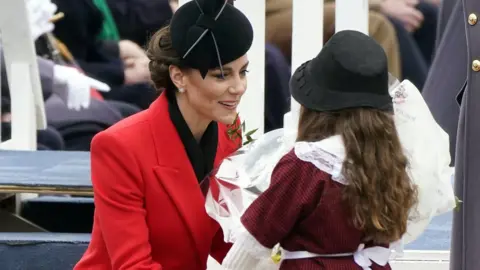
<point x="451" y="92"/>
<point x="71" y="106"/>
<point x="138" y="20"/>
<point x="66" y="84"/>
<point x="415" y="22"/>
<point x="279" y="30"/>
<point x="104" y="60"/>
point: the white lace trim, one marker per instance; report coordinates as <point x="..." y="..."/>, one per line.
<point x="245" y="239"/>
<point x="327" y="155"/>
<point x="248" y="253"/>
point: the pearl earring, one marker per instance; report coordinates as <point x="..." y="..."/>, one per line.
<point x="181" y="90"/>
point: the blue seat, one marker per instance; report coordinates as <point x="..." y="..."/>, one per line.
<point x="31" y="251"/>
<point x="60" y="214"/>
<point x="53" y="169"/>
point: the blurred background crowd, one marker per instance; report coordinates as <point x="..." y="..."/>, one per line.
<point x="94" y="70"/>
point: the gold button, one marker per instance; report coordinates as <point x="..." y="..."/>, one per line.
<point x="472" y="19"/>
<point x="476" y="65"/>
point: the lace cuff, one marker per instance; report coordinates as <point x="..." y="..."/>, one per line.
<point x="246" y="253"/>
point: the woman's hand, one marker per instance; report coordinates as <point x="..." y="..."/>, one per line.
<point x="404" y="11"/>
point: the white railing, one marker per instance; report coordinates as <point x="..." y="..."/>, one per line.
<point x="26" y="97"/>
<point x="252" y="106"/>
<point x="307" y="41"/>
<point x="307" y="34"/>
<point x="27" y="106"/>
<point x="423" y="260"/>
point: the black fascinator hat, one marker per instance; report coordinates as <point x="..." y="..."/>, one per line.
<point x="208" y="34"/>
<point x="350" y="71"/>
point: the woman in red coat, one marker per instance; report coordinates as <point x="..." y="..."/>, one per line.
<point x="147" y="169"/>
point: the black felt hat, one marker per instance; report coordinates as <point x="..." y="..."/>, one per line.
<point x="210" y="33"/>
<point x="350" y="71"/>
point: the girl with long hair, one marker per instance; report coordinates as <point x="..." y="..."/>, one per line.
<point x="342" y="196"/>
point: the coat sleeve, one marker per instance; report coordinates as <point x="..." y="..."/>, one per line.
<point x="118" y="193"/>
<point x="294" y="192"/>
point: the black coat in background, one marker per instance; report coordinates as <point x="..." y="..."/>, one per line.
<point x="79" y="30"/>
<point x="138" y="20"/>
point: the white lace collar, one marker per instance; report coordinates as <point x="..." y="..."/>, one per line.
<point x="327" y="155"/>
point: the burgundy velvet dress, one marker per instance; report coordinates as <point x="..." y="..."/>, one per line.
<point x="303" y="211"/>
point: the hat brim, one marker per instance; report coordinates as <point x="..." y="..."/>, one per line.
<point x="306" y="91"/>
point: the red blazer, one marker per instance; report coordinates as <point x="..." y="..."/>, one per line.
<point x="149" y="209"/>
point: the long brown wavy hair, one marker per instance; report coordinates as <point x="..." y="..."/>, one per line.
<point x="380" y="194"/>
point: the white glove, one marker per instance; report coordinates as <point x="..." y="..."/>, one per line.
<point x="77" y="85"/>
<point x="39" y="14"/>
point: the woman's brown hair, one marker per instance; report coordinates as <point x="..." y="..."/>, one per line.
<point x="162" y="55"/>
<point x="379" y="191"/>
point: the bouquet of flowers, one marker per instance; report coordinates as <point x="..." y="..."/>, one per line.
<point x="243" y="176"/>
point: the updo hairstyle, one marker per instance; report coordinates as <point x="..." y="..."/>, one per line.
<point x="162" y="55"/>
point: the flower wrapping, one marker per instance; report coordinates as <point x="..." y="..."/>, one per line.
<point x="242" y="177"/>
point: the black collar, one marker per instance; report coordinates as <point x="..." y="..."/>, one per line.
<point x="201" y="154"/>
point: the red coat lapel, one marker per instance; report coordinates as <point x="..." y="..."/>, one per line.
<point x="176" y="174"/>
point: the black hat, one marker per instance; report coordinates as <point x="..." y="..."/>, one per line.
<point x="350" y="71"/>
<point x="208" y="34"/>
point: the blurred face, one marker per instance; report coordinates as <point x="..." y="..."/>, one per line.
<point x="214" y="97"/>
<point x="173" y="5"/>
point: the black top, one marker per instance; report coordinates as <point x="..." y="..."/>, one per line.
<point x="201" y="154"/>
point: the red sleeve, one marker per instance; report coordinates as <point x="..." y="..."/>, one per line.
<point x="118" y="194"/>
<point x="294" y="192"/>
